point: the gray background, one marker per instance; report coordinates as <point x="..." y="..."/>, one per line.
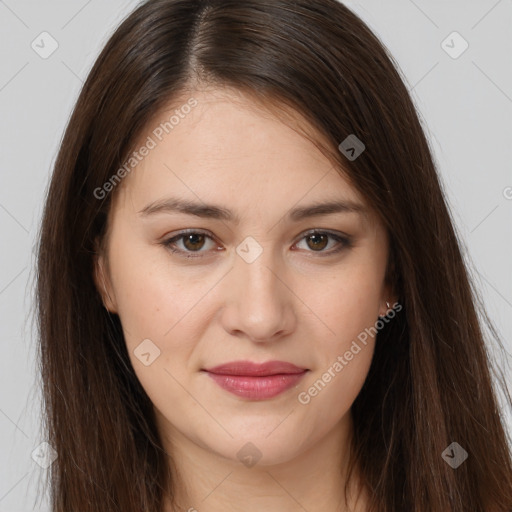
<point x="465" y="104"/>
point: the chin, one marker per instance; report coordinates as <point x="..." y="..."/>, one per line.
<point x="256" y="447"/>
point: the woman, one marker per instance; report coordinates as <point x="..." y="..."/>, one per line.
<point x="251" y="295"/>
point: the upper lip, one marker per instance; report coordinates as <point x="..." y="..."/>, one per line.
<point x="256" y="369"/>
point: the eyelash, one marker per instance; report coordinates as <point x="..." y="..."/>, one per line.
<point x="344" y="242"/>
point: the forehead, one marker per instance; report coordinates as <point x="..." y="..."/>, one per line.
<point x="230" y="148"/>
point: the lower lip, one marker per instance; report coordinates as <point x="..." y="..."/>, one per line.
<point x="257" y="388"/>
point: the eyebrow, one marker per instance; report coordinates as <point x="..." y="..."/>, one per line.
<point x="174" y="205"/>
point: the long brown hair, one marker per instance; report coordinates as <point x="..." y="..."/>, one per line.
<point x="430" y="382"/>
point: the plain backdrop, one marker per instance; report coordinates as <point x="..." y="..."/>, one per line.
<point x="465" y="102"/>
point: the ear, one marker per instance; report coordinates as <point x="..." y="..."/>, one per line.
<point x="102" y="280"/>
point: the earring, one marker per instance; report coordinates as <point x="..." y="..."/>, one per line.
<point x="385" y="314"/>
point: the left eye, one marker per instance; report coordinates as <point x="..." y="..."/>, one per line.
<point x="319" y="240"/>
<point x="193" y="241"/>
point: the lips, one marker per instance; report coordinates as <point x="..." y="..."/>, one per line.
<point x="256" y="381"/>
<point x="248" y="368"/>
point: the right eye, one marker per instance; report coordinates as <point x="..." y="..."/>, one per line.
<point x="191" y="241"/>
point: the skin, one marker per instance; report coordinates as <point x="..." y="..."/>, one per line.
<point x="295" y="302"/>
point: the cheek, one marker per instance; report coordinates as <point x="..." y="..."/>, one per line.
<point x="327" y="397"/>
<point x="156" y="309"/>
<point x="344" y="358"/>
<point x="346" y="303"/>
<point x="350" y="311"/>
<point x="152" y="296"/>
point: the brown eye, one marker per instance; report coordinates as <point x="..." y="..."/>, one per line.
<point x="190" y="244"/>
<point x="317" y="241"/>
<point x="194" y="241"/>
<point x="325" y="243"/>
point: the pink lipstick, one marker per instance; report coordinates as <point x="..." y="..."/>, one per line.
<point x="256" y="381"/>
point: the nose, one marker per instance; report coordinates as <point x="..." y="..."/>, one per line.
<point x="259" y="304"/>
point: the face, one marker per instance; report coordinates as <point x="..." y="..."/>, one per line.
<point x="214" y="256"/>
